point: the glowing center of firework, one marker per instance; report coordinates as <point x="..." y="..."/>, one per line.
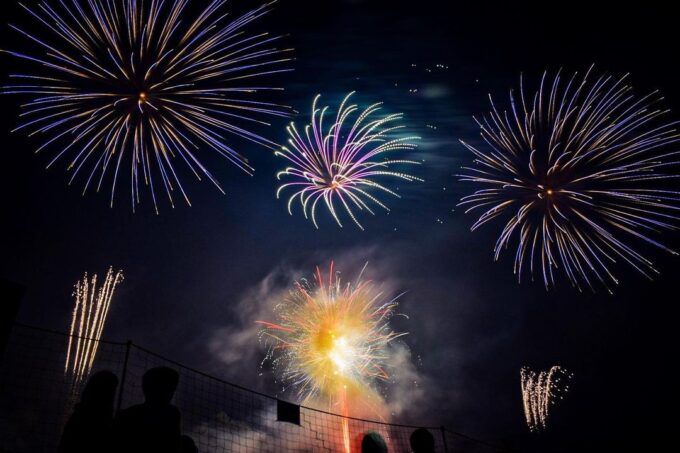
<point x="142" y="97"/>
<point x="334" y="185"/>
<point x="335" y="350"/>
<point x="341" y="354"/>
<point x="544" y="192"/>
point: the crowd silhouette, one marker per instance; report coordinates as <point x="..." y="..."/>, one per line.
<point x="421" y="440"/>
<point x="154" y="426"/>
<point x="92" y="418"/>
<point x="373" y="443"/>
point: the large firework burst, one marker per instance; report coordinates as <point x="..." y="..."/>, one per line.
<point x="329" y="335"/>
<point x="340" y="165"/>
<point x="136" y="86"/>
<point x="331" y="342"/>
<point x="580" y="171"/>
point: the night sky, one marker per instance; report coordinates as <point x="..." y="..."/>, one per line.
<point x="198" y="277"/>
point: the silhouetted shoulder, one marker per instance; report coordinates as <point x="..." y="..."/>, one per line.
<point x="89" y="427"/>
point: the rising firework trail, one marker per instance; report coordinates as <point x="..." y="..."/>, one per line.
<point x="540" y="391"/>
<point x="341" y="165"/>
<point x="144" y="87"/>
<point x="90" y="310"/>
<point x="582" y="173"/>
<point x="330" y="341"/>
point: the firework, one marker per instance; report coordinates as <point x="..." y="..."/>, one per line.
<point x="330" y="341"/>
<point x="91" y="308"/>
<point x="340" y="165"/>
<point x="580" y="172"/>
<point x="539" y="392"/>
<point x="137" y="86"/>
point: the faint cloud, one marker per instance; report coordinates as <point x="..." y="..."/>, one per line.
<point x="435" y="91"/>
<point x="239" y="353"/>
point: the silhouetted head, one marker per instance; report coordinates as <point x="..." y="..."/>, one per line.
<point x="422" y="441"/>
<point x="373" y="443"/>
<point x="100" y="391"/>
<point x="187" y="445"/>
<point x="159" y="385"/>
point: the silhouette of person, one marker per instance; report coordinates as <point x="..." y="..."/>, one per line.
<point x="373" y="443"/>
<point x="422" y="441"/>
<point x="153" y="426"/>
<point x="187" y="445"/>
<point x="89" y="427"/>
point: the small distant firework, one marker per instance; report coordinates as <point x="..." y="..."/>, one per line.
<point x="579" y="172"/>
<point x="139" y="85"/>
<point x="340" y="165"/>
<point x="92" y="304"/>
<point x="330" y="341"/>
<point x="539" y="392"/>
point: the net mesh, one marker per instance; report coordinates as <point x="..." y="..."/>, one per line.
<point x="37" y="395"/>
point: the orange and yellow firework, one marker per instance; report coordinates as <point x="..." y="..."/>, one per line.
<point x="331" y="340"/>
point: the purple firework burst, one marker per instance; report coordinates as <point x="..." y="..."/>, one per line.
<point x="581" y="172"/>
<point x="139" y="85"/>
<point x="340" y="165"/>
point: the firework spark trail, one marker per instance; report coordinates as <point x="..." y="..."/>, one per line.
<point x="330" y="341"/>
<point x="539" y="392"/>
<point x="91" y="308"/>
<point x="578" y="173"/>
<point x="340" y="165"/>
<point x="139" y="81"/>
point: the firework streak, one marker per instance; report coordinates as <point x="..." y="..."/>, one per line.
<point x="137" y="86"/>
<point x="539" y="392"/>
<point x="92" y="304"/>
<point x="579" y="172"/>
<point x="340" y="165"/>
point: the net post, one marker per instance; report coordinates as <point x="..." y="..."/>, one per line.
<point x="443" y="431"/>
<point x="128" y="346"/>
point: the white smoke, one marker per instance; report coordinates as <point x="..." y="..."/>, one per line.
<point x="239" y="353"/>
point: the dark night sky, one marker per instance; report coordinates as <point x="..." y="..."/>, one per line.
<point x="196" y="277"/>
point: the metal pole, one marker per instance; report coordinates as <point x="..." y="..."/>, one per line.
<point x="128" y="346"/>
<point x="446" y="447"/>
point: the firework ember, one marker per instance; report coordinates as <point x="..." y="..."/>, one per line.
<point x="540" y="392"/>
<point x="92" y="304"/>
